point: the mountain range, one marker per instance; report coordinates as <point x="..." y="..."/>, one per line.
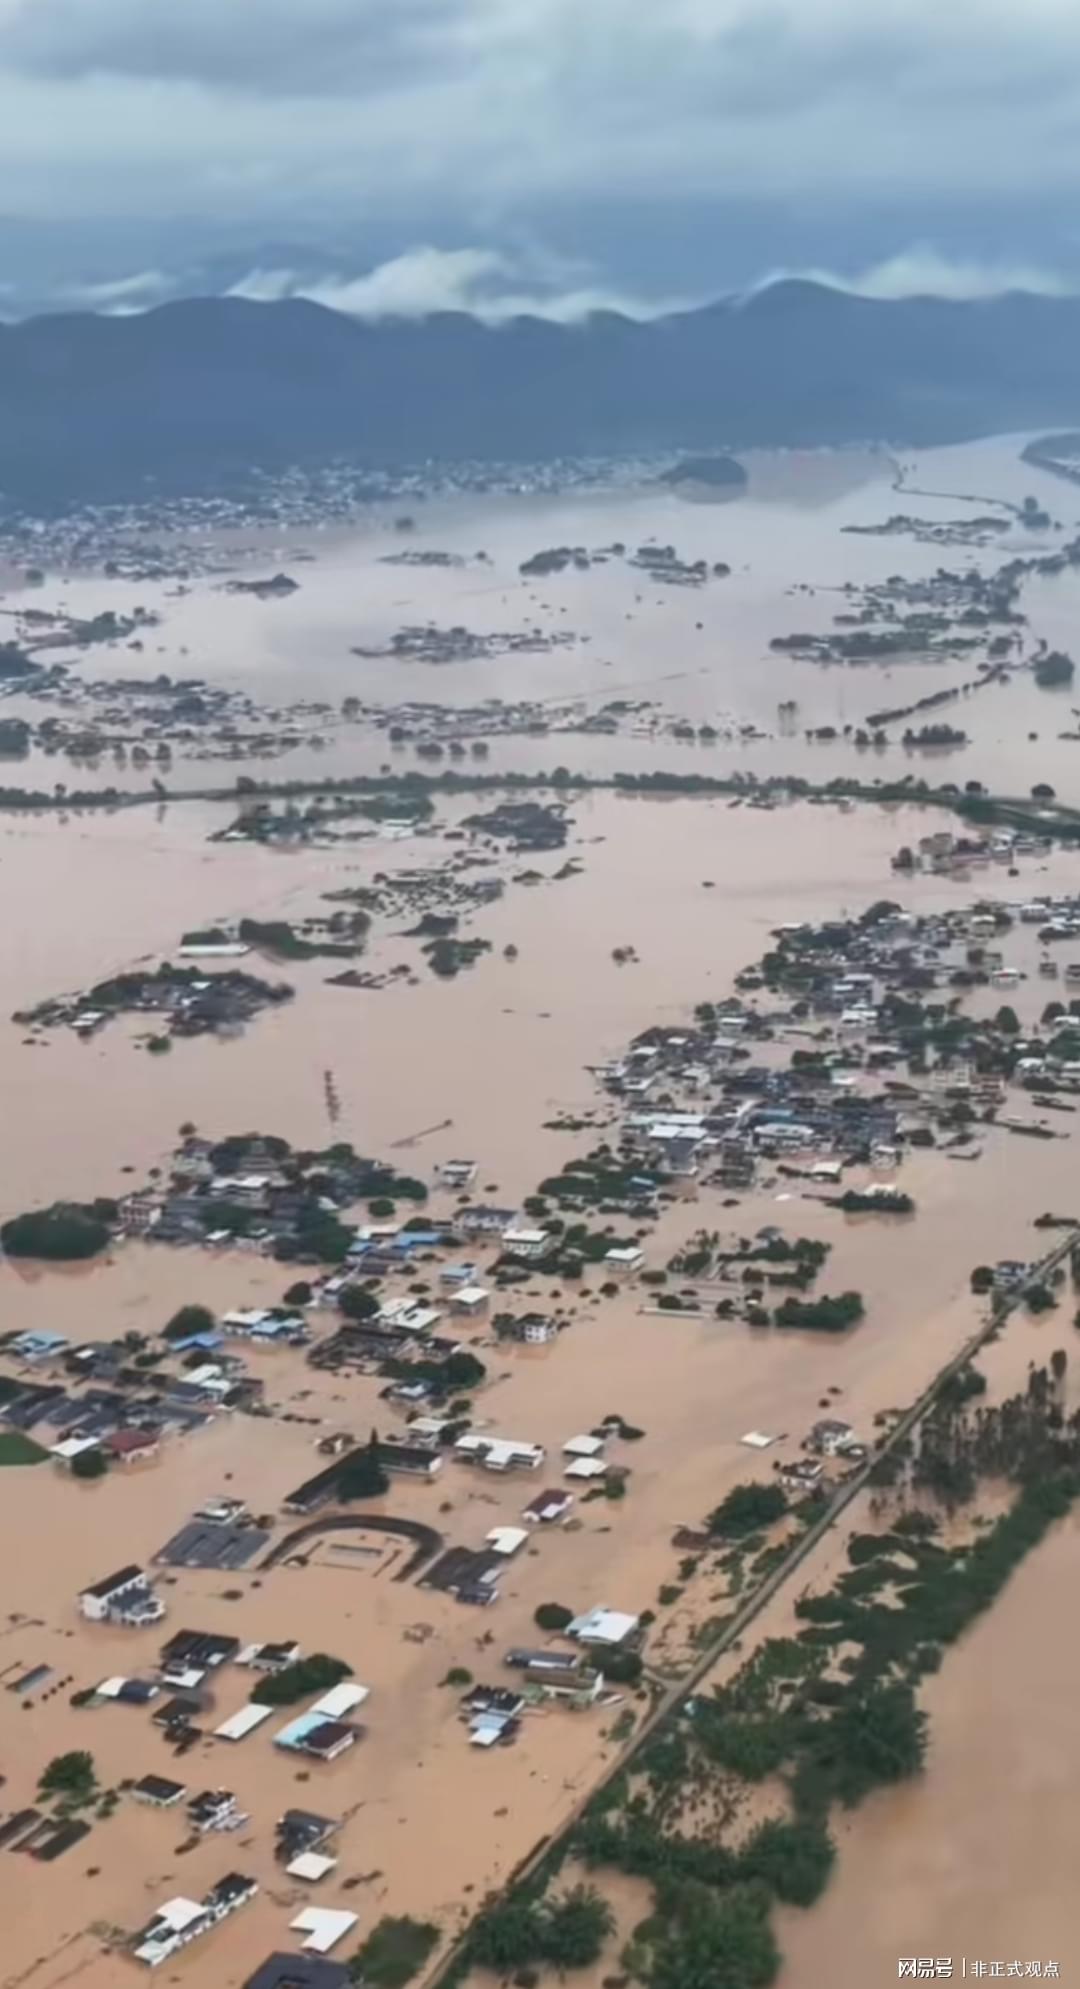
<point x="195" y="395"/>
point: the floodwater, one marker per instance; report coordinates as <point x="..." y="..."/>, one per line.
<point x="476" y="1066"/>
<point x="694" y="886"/>
<point x="977" y="1859"/>
<point x="701" y="654"/>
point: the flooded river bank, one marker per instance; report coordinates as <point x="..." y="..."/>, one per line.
<point x="975" y="1859"/>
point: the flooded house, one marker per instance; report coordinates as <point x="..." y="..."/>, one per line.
<point x="126" y="1598"/>
<point x="180" y="1921"/>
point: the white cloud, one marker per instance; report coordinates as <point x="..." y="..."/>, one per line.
<point x="486" y="283"/>
<point x="470" y="120"/>
<point x="123" y="293"/>
<point x="922" y="272"/>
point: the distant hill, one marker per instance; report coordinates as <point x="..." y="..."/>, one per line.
<point x="196" y="394"/>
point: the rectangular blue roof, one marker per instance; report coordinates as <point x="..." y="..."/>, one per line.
<point x="298" y="1729"/>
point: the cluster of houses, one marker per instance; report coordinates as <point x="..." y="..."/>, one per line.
<point x="829" y="1441"/>
<point x="321" y="1733"/>
<point x="192" y="1660"/>
<point x="945" y="851"/>
<point x="714" y="1103"/>
<point x="97" y="1399"/>
<point x="188" y="1002"/>
<point x="493" y="1713"/>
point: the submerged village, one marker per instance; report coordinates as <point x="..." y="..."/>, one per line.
<point x="512" y="1547"/>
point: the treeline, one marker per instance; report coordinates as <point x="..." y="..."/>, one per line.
<point x="830" y="1732"/>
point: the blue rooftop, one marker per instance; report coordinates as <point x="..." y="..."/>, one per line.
<point x="298" y="1729"/>
<point x="30" y="1345"/>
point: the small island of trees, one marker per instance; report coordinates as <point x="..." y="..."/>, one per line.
<point x="1053" y="669"/>
<point x="746" y="1509"/>
<point x="68" y="1232"/>
<point x="821" y="1315"/>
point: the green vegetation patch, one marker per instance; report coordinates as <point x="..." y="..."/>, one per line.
<point x="15" y="1448"/>
<point x="395" y="1950"/>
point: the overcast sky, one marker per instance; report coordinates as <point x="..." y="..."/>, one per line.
<point x="495" y="151"/>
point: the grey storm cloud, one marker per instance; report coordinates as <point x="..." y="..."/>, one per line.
<point x="740" y="57"/>
<point x="278" y="47"/>
<point x="482" y="124"/>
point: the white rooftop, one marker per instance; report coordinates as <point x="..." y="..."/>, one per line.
<point x="240" y="1724"/>
<point x="583" y="1446"/>
<point x="74" y="1446"/>
<point x="180" y="1913"/>
<point x="324" y="1928"/>
<point x="406" y="1313"/>
<point x="586" y="1467"/>
<point x="311" y="1865"/>
<point x="498" y="1452"/>
<point x="602" y="1626"/>
<point x="507" y="1539"/>
<point x="110" y="1688"/>
<point x="341" y="1699"/>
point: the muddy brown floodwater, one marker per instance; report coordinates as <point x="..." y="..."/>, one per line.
<point x="977" y="1857"/>
<point x="497" y="1051"/>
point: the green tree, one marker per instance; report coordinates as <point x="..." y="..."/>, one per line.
<point x="462" y="1371"/>
<point x="70" y="1775"/>
<point x="575" y="1928"/>
<point x="358" y="1303"/>
<point x="717" y="1941"/>
<point x="316" y="1673"/>
<point x="90" y="1464"/>
<point x="879" y="1737"/>
<point x="821" y="1315"/>
<point x="189" y="1320"/>
<point x="508" y="1936"/>
<point x="552" y="1616"/>
<point x="395" y="1949"/>
<point x="362" y="1476"/>
<point x="794" y="1859"/>
<point x="746" y="1509"/>
<point x="619" y="1667"/>
<point x="66" y="1233"/>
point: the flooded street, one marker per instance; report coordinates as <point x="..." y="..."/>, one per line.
<point x="974" y="1858"/>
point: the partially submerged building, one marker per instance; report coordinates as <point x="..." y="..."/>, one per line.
<point x="126" y="1597"/>
<point x="181" y="1921"/>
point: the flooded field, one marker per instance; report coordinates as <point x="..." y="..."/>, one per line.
<point x="417" y="1070"/>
